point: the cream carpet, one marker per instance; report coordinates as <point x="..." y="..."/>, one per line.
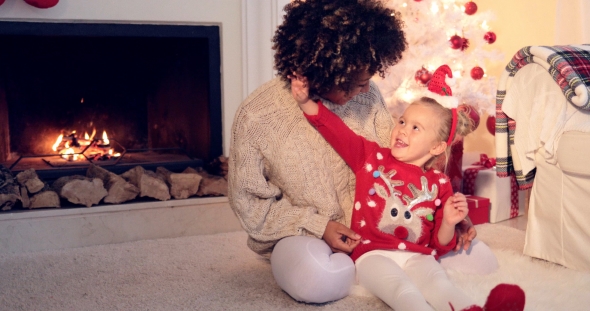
<point x="218" y="272"/>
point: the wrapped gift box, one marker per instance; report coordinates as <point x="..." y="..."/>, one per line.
<point x="497" y="189"/>
<point x="479" y="209"/>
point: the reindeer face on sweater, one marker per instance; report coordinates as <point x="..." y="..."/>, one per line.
<point x="405" y="220"/>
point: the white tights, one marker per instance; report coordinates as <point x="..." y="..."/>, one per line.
<point x="421" y="284"/>
<point x="308" y="271"/>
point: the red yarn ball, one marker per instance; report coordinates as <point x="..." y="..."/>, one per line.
<point x="42" y="4"/>
<point x="491" y="125"/>
<point x="490" y="37"/>
<point x="477" y="73"/>
<point x="471" y="113"/>
<point x="470" y="8"/>
<point x="422" y="76"/>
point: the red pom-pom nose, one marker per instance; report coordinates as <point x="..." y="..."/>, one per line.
<point x="401" y="232"/>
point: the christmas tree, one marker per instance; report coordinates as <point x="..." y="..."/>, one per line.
<point x="443" y="32"/>
<point x="452" y="33"/>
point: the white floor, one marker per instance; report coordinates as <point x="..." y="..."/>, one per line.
<point x="517" y="222"/>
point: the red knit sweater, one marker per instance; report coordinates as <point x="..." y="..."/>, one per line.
<point x="397" y="205"/>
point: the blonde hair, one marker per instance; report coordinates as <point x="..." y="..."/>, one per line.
<point x="464" y="126"/>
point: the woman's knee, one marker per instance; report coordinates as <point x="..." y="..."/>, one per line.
<point x="308" y="271"/>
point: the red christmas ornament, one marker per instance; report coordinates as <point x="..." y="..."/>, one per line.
<point x="490" y="37"/>
<point x="491" y="125"/>
<point x="458" y="42"/>
<point x="1" y="2"/>
<point x="477" y="73"/>
<point x="422" y="76"/>
<point x="42" y="4"/>
<point x="471" y="113"/>
<point x="470" y="8"/>
<point x="465" y="44"/>
<point x="417" y="0"/>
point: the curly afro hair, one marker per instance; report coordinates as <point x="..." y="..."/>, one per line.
<point x="331" y="42"/>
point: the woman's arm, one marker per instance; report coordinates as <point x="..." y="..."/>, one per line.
<point x="265" y="214"/>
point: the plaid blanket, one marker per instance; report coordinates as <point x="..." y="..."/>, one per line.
<point x="570" y="68"/>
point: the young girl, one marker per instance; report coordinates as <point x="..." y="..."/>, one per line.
<point x="405" y="211"/>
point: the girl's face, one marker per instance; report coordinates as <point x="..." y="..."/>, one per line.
<point x="414" y="138"/>
<point x="339" y="97"/>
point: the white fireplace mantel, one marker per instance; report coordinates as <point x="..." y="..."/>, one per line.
<point x="246" y="29"/>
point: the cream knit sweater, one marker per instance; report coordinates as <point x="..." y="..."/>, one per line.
<point x="284" y="178"/>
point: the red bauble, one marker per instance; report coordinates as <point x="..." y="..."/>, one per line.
<point x="477" y="73"/>
<point x="470" y="8"/>
<point x="422" y="76"/>
<point x="490" y="37"/>
<point x="1" y="1"/>
<point x="491" y="125"/>
<point x="471" y="113"/>
<point x="42" y="4"/>
<point x="458" y="42"/>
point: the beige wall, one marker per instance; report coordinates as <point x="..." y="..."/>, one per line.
<point x="517" y="24"/>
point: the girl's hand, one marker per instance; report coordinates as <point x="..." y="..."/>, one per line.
<point x="455" y="209"/>
<point x="300" y="92"/>
<point x="299" y="88"/>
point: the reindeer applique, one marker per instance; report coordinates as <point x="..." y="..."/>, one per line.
<point x="403" y="221"/>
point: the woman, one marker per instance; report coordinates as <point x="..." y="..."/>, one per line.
<point x="290" y="190"/>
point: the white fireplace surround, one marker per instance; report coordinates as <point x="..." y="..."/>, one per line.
<point x="246" y="28"/>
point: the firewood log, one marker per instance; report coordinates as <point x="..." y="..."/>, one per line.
<point x="211" y="185"/>
<point x="119" y="190"/>
<point x="182" y="185"/>
<point x="9" y="190"/>
<point x="149" y="183"/>
<point x="45" y="198"/>
<point x="24" y="197"/>
<point x="30" y="179"/>
<point x="80" y="190"/>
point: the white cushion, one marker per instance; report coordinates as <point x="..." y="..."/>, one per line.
<point x="572" y="153"/>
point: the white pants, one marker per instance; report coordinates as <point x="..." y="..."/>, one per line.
<point x="413" y="283"/>
<point x="306" y="269"/>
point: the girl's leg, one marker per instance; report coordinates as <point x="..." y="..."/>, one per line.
<point x="432" y="280"/>
<point x="478" y="259"/>
<point x="308" y="270"/>
<point x="384" y="278"/>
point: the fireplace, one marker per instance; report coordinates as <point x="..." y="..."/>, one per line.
<point x="155" y="89"/>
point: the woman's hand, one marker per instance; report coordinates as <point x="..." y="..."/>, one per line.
<point x="465" y="234"/>
<point x="340" y="238"/>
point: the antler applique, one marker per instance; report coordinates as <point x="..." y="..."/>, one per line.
<point x="399" y="219"/>
<point x="419" y="196"/>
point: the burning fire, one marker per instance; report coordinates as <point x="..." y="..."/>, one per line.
<point x="74" y="148"/>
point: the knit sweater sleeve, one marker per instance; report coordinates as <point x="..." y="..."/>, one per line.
<point x="351" y="147"/>
<point x="264" y="212"/>
<point x="445" y="192"/>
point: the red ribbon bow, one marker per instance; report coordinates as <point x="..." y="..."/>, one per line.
<point x="485" y="161"/>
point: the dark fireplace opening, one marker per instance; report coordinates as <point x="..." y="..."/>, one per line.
<point x="154" y="90"/>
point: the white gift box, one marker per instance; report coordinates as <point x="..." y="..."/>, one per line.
<point x="495" y="188"/>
